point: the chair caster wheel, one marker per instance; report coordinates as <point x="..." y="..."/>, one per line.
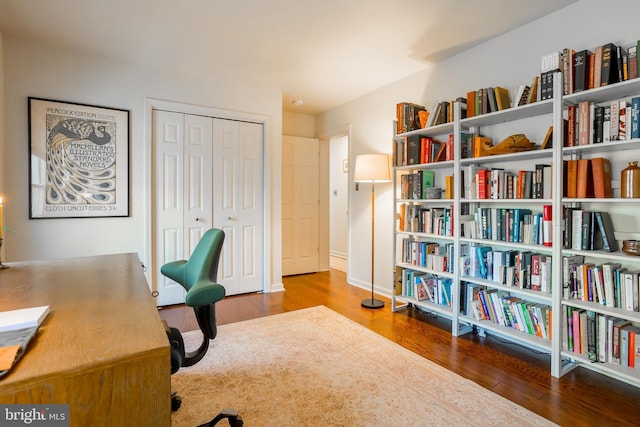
<point x="176" y="401"/>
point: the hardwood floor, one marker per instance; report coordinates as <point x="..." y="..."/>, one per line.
<point x="580" y="398"/>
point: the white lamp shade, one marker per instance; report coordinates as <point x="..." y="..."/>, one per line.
<point x="372" y="168"/>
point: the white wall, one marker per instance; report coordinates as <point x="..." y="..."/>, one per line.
<point x="509" y="60"/>
<point x="40" y="71"/>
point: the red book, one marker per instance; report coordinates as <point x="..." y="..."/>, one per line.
<point x="546" y="225"/>
<point x="601" y="171"/>
<point x="482" y="180"/>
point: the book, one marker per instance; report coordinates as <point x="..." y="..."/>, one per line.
<point x="622" y="120"/>
<point x="580" y="71"/>
<point x="634" y="125"/>
<point x="523" y="95"/>
<point x="592" y="336"/>
<point x="597" y="66"/>
<point x="609" y="65"/>
<point x="614" y="119"/>
<point x="567" y="70"/>
<point x="584" y="181"/>
<point x="601" y="173"/>
<point x="546" y="225"/>
<point x="632" y="53"/>
<point x="503" y="99"/>
<point x="23" y="318"/>
<point x="572" y="178"/>
<point x="584" y="120"/>
<point x="605" y="227"/>
<point x="533" y="92"/>
<point x="598" y="124"/>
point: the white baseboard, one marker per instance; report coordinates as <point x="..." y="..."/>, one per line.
<point x="338" y="263"/>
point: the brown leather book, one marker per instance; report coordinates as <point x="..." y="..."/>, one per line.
<point x="584" y="186"/>
<point x="601" y="171"/>
<point x="572" y="178"/>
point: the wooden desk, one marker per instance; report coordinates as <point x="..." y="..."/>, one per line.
<point x="102" y="349"/>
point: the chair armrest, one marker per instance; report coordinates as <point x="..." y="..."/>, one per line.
<point x="204" y="292"/>
<point x="175" y="270"/>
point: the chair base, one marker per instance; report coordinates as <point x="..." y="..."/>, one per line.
<point x="235" y="420"/>
<point x="372" y="303"/>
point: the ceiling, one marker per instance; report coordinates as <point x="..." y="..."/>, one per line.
<point x="323" y="52"/>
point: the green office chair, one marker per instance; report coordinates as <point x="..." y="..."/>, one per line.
<point x="198" y="276"/>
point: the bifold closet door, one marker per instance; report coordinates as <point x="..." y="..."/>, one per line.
<point x="182" y="192"/>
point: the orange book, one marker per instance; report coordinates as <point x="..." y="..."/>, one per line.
<point x="584" y="182"/>
<point x="572" y="178"/>
<point x="601" y="171"/>
<point x="471" y="103"/>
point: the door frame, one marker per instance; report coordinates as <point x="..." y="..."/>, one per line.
<point x="159" y="104"/>
<point x="325" y="141"/>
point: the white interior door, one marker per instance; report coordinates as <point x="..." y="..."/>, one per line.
<point x="300" y="205"/>
<point x="239" y="203"/>
<point x="182" y="160"/>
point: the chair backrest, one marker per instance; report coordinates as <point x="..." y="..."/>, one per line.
<point x="203" y="263"/>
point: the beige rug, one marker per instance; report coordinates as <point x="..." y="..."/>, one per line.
<point x="314" y="367"/>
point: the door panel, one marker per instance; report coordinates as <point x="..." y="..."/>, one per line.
<point x="300" y="205"/>
<point x="239" y="204"/>
<point x="183" y="151"/>
<point x="168" y="141"/>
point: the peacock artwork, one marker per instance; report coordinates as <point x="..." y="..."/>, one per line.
<point x="79" y="160"/>
<point x="81" y="166"/>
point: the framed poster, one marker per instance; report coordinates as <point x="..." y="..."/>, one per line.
<point x="79" y="160"/>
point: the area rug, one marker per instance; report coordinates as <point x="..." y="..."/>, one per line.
<point x="315" y="367"/>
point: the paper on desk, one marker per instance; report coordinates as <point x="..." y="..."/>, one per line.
<point x="22" y="318"/>
<point x="8" y="356"/>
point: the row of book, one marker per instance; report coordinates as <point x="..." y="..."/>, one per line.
<point x="587" y="178"/>
<point x="601" y="338"/>
<point x="423" y="286"/>
<point x="589" y="68"/>
<point x="608" y="284"/>
<point x="420" y="219"/>
<point x="518" y="225"/>
<point x="509" y="311"/>
<point x="592" y="123"/>
<point x="414" y="185"/>
<point x="587" y="230"/>
<point x="581" y="70"/>
<point x="410" y="116"/>
<point x="498" y="183"/>
<point x="417" y="150"/>
<point x="430" y="255"/>
<point x="514" y="268"/>
<point x="487" y="100"/>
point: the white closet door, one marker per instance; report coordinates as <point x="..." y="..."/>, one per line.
<point x="238" y="203"/>
<point x="182" y="192"/>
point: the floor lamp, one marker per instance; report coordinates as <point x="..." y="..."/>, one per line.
<point x="372" y="168"/>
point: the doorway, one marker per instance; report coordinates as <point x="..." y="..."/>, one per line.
<point x="338" y="201"/>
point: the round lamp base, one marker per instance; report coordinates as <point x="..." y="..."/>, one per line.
<point x="372" y="303"/>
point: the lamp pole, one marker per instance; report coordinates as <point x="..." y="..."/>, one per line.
<point x="372" y="302"/>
